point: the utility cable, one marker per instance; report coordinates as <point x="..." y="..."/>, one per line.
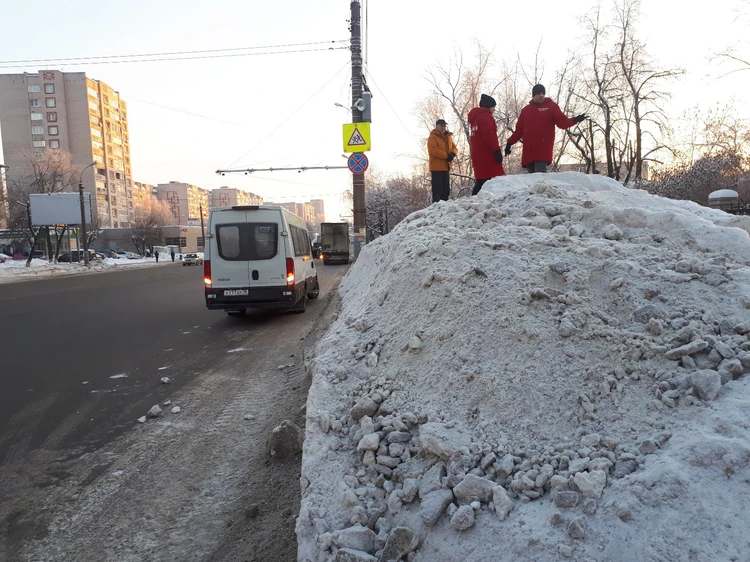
<point x="178" y="58"/>
<point x="261" y="141"/>
<point x="238" y="125"/>
<point x="419" y="144"/>
<point x="175" y="52"/>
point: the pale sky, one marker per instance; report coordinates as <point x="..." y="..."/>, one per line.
<point x="190" y="118"/>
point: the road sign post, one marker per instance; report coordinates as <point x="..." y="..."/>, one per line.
<point x="356" y="137"/>
<point x="358" y="163"/>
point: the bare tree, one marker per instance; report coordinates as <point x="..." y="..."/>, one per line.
<point x="733" y="56"/>
<point x="602" y="92"/>
<point x="389" y="201"/>
<point x="148" y="218"/>
<point x="642" y="79"/>
<point x="715" y="155"/>
<point x="48" y="171"/>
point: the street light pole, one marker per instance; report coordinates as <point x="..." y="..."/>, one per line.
<point x="83" y="220"/>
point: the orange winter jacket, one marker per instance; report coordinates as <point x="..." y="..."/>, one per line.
<point x="438" y="148"/>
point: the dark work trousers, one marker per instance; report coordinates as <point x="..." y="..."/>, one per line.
<point x="478" y="185"/>
<point x="441" y="186"/>
<point x="537" y="166"/>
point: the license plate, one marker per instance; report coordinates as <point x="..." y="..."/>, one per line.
<point x="235" y="293"/>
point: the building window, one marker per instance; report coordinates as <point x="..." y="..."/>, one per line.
<point x="37" y="130"/>
<point x="35" y="103"/>
<point x="52" y="116"/>
<point x="49" y="88"/>
<point x="200" y="241"/>
<point x="181" y="242"/>
<point x="34" y="89"/>
<point x="54" y="143"/>
<point x="50" y="102"/>
<point x="36" y="116"/>
<point x="52" y="130"/>
<point x="38" y="144"/>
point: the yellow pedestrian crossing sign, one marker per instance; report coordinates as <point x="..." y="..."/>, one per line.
<point x="356" y="137"/>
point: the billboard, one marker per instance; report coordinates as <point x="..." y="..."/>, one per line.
<point x="59" y="208"/>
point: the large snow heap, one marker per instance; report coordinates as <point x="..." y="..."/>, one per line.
<point x="551" y="369"/>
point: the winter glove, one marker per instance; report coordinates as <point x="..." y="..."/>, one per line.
<point x="498" y="156"/>
<point x="581" y="117"/>
<point x="451" y="156"/>
<point x="507" y="149"/>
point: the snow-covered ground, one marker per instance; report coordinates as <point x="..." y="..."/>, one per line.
<point x="16" y="270"/>
<point x="551" y="370"/>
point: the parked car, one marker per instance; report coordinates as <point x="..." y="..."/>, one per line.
<point x="4" y="257"/>
<point x="37" y="254"/>
<point x="128" y="255"/>
<point x="76" y="256"/>
<point x="192" y="259"/>
<point x="111" y="254"/>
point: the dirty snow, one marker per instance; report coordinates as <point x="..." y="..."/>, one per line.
<point x="551" y="370"/>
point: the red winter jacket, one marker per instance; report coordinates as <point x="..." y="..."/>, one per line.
<point x="536" y="126"/>
<point x="484" y="144"/>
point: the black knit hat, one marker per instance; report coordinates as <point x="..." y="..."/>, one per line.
<point x="440" y="122"/>
<point x="538" y="89"/>
<point x="487" y="101"/>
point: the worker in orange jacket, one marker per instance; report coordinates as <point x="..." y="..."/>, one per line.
<point x="441" y="150"/>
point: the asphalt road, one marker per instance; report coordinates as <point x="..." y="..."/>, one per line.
<point x="77" y="351"/>
<point x="81" y="360"/>
<point x="81" y="355"/>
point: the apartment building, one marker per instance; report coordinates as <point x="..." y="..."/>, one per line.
<point x="227" y="196"/>
<point x="186" y="202"/>
<point x="143" y="193"/>
<point x="302" y="210"/>
<point x="54" y="110"/>
<point x="320" y="211"/>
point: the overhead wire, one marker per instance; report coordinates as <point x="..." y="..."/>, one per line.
<point x="380" y="91"/>
<point x="261" y="141"/>
<point x="209" y="53"/>
<point x="241" y="126"/>
<point x="204" y="57"/>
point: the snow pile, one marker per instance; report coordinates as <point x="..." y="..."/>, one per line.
<point x="16" y="270"/>
<point x="553" y="369"/>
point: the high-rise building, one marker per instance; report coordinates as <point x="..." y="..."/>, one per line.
<point x="303" y="210"/>
<point x="143" y="193"/>
<point x="320" y="210"/>
<point x="185" y="201"/>
<point x="227" y="196"/>
<point x="53" y="110"/>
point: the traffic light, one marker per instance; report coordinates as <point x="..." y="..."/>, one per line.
<point x="364" y="106"/>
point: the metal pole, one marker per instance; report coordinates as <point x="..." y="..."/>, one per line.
<point x="203" y="228"/>
<point x="358" y="180"/>
<point x="83" y="220"/>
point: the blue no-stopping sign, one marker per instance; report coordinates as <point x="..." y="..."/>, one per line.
<point x="358" y="163"/>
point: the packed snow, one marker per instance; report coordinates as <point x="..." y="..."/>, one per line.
<point x="553" y="369"/>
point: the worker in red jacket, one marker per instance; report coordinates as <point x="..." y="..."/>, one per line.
<point x="486" y="154"/>
<point x="536" y="126"/>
